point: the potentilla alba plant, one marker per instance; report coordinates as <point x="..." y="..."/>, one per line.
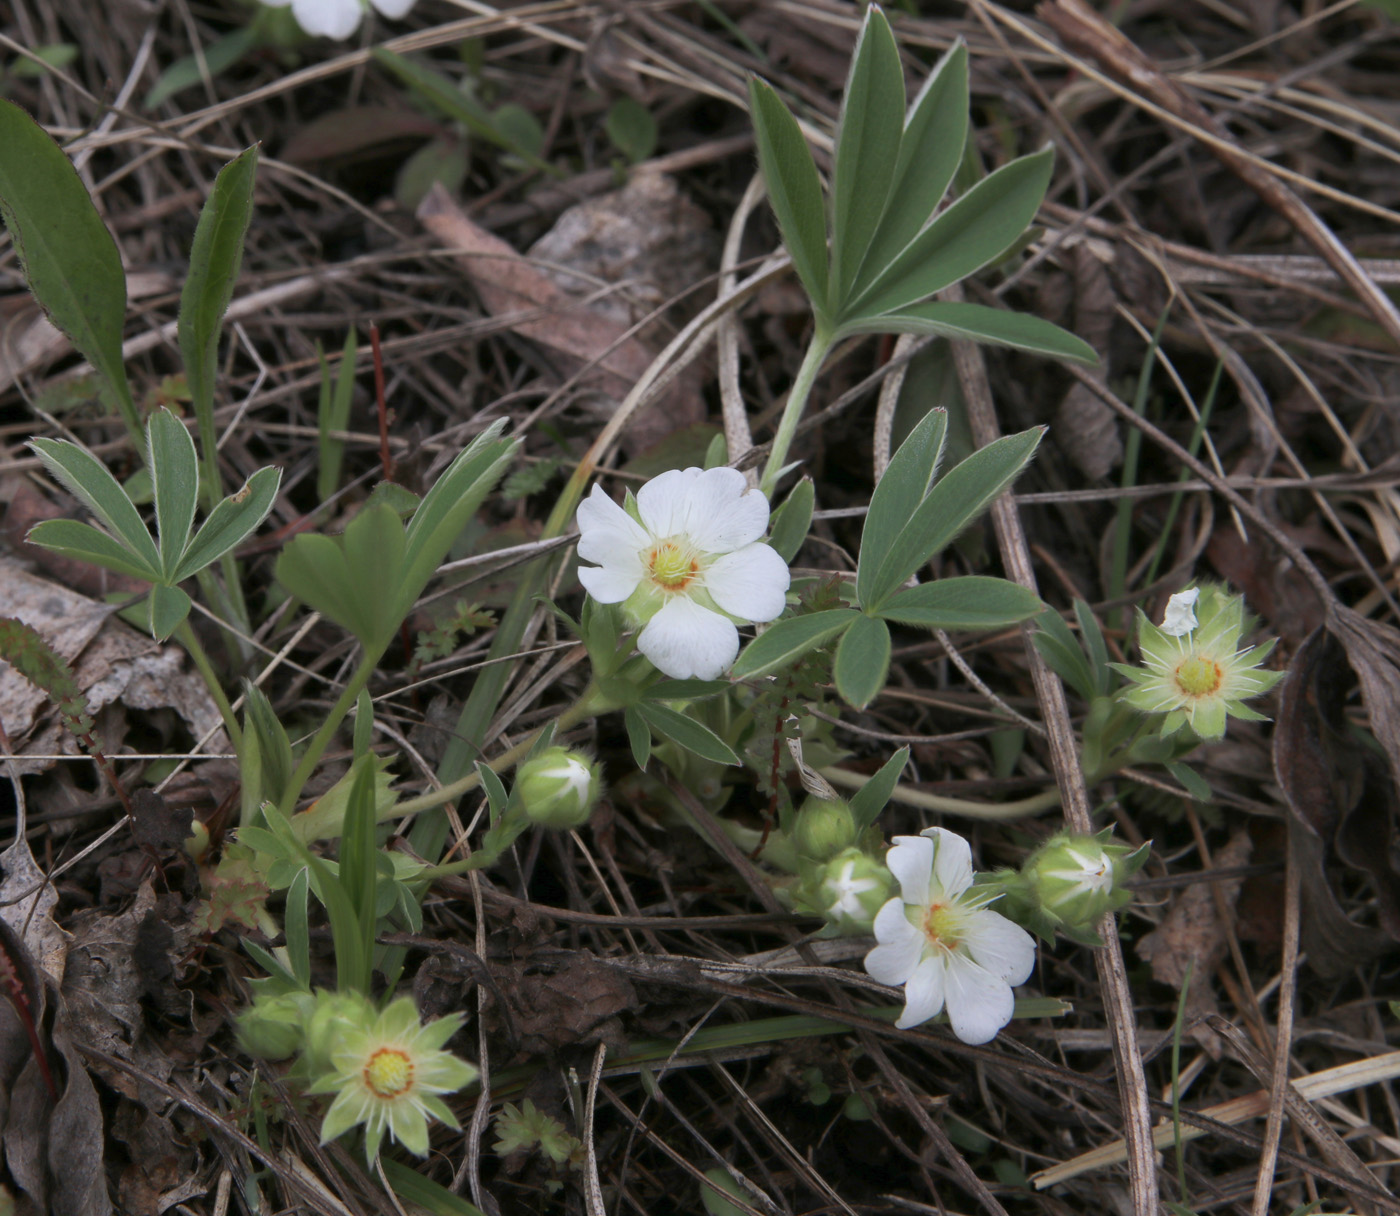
<point x="940" y="941"/>
<point x="338" y="18"/>
<point x="1196" y="673"/>
<point x="387" y="1072"/>
<point x="686" y="562"/>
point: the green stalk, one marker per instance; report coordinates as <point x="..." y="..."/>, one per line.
<point x="1034" y="805"/>
<point x="322" y="738"/>
<point x="796" y="403"/>
<point x="197" y="653"/>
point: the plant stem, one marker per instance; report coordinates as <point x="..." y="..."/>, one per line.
<point x="190" y="641"/>
<point x="1033" y="805"/>
<point x="322" y="738"/>
<point x="792" y="412"/>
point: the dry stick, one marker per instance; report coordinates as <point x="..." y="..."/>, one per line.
<point x="1279" y="1087"/>
<point x="1064" y="755"/>
<point x="1084" y="30"/>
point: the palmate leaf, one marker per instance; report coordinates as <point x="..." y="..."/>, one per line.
<point x="86" y="544"/>
<point x="686" y="732"/>
<point x="794" y="189"/>
<point x="975" y="230"/>
<point x="66" y="253"/>
<point x="978" y="323"/>
<point x="862" y="661"/>
<point x="935" y="132"/>
<point x="788" y="640"/>
<point x="897" y="496"/>
<point x="868" y="135"/>
<point x="89" y="480"/>
<point x="958" y="497"/>
<point x="174" y="469"/>
<point x="970" y="602"/>
<point x="230" y="523"/>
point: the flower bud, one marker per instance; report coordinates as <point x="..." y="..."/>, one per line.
<point x="557" y="789"/>
<point x="852" y="889"/>
<point x="1078" y="879"/>
<point x="823" y="828"/>
<point x="332" y="1015"/>
<point x="273" y="1027"/>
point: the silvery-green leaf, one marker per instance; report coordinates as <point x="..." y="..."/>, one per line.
<point x="174" y="467"/>
<point x="788" y="640"/>
<point x="231" y="522"/>
<point x="169" y="606"/>
<point x="978" y="323"/>
<point x="862" y="661"/>
<point x="87" y="544"/>
<point x="969" y="602"/>
<point x="89" y="480"/>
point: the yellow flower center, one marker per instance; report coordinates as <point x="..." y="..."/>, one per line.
<point x="672" y="564"/>
<point x="388" y="1072"/>
<point x="942" y="927"/>
<point x="1198" y="676"/>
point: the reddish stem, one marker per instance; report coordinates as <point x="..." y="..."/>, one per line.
<point x="19" y="1000"/>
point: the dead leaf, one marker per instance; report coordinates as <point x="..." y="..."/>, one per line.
<point x="112" y="663"/>
<point x="508" y="284"/>
<point x="574" y="1005"/>
<point x="1089" y="427"/>
<point x="355" y="133"/>
<point x="158" y="825"/>
<point x="1340" y="795"/>
<point x="1192" y="935"/>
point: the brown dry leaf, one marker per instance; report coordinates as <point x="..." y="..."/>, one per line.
<point x="1192" y="935"/>
<point x="507" y="283"/>
<point x="1088" y="427"/>
<point x="112" y="663"/>
<point x="356" y="133"/>
<point x="52" y="1149"/>
<point x="576" y="1005"/>
<point x="27" y="901"/>
<point x="1340" y="795"/>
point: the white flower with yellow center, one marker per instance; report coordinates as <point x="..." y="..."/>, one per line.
<point x="338" y="18"/>
<point x="388" y="1071"/>
<point x="946" y="948"/>
<point x="686" y="568"/>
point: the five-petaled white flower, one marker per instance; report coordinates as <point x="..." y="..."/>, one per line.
<point x="338" y="18"/>
<point x="687" y="568"/>
<point x="945" y="946"/>
<point x="387" y="1073"/>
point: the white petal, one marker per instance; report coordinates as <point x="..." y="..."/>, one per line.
<point x="277" y="3"/>
<point x="328" y="18"/>
<point x="901" y="945"/>
<point x="979" y="1004"/>
<point x="911" y="862"/>
<point x="598" y="514"/>
<point x="721" y="513"/>
<point x="662" y="501"/>
<point x="1003" y="948"/>
<point x="686" y="641"/>
<point x="611" y="584"/>
<point x="393" y="8"/>
<point x="750" y="583"/>
<point x="1180" y="616"/>
<point x="924" y="993"/>
<point x="952" y="863"/>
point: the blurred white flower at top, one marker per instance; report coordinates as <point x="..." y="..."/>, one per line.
<point x="338" y="18"/>
<point x="686" y="567"/>
<point x="1180" y="616"/>
<point x="943" y="944"/>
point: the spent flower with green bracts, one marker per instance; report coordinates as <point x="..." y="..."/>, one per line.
<point x="1195" y="672"/>
<point x="387" y="1072"/>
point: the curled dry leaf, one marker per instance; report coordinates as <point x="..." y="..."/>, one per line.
<point x="1339" y="793"/>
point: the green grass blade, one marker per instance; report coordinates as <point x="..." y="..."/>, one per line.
<point x="901" y="489"/>
<point x="935" y="131"/>
<point x="975" y="230"/>
<point x="794" y="189"/>
<point x="868" y="135"/>
<point x="216" y="257"/>
<point x="68" y="257"/>
<point x="862" y="661"/>
<point x="334" y="415"/>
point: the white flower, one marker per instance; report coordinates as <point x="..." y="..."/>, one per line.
<point x="688" y="570"/>
<point x="338" y="18"/>
<point x="843" y="889"/>
<point x="944" y="947"/>
<point x="1180" y="617"/>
